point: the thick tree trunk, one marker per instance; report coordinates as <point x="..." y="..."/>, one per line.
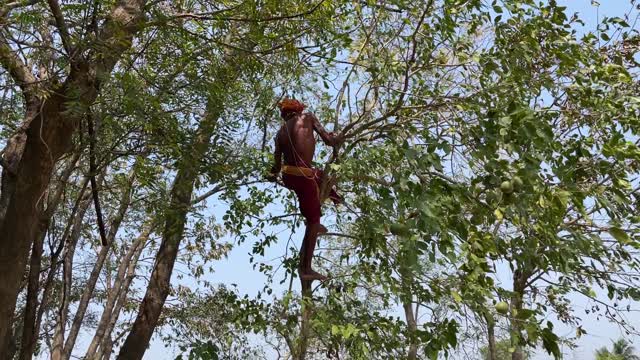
<point x="159" y="286"/>
<point x="29" y="336"/>
<point x="20" y="222"/>
<point x="46" y="135"/>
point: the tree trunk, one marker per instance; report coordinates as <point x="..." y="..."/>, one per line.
<point x="124" y="274"/>
<point x="413" y="326"/>
<point x="116" y="221"/>
<point x="520" y="278"/>
<point x="45" y="136"/>
<point x="491" y="336"/>
<point x="158" y="289"/>
<point x="22" y="192"/>
<point x="29" y="336"/>
<point x="106" y="344"/>
<point x="305" y="321"/>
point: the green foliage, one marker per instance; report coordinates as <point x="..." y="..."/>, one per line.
<point x="621" y="350"/>
<point x="478" y="136"/>
<point x="201" y="351"/>
<point x="504" y="351"/>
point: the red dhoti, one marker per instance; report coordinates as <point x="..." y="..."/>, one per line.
<point x="306" y="182"/>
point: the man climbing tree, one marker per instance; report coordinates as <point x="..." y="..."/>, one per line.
<point x="296" y="141"/>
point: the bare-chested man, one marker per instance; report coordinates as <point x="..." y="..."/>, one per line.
<point x="297" y="142"/>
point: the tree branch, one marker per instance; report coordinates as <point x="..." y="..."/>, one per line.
<point x="407" y="77"/>
<point x="212" y="15"/>
<point x="18" y="70"/>
<point x="94" y="184"/>
<point x="4" y="11"/>
<point x="60" y="24"/>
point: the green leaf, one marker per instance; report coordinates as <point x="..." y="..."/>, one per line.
<point x="620" y="235"/>
<point x="456" y="296"/>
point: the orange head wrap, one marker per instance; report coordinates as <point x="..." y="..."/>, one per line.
<point x="291" y="105"/>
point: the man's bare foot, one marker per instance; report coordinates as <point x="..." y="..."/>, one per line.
<point x="311" y="275"/>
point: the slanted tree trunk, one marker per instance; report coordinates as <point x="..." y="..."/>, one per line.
<point x="115" y="222"/>
<point x="123" y="278"/>
<point x="44" y="137"/>
<point x="71" y="243"/>
<point x="138" y="339"/>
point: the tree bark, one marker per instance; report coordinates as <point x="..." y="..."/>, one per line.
<point x="159" y="286"/>
<point x="21" y="218"/>
<point x="44" y="137"/>
<point x="412" y="354"/>
<point x="29" y="336"/>
<point x="520" y="278"/>
<point x="491" y="335"/>
<point x="116" y="221"/>
<point x="121" y="285"/>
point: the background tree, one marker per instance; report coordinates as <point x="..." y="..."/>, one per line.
<point x="621" y="350"/>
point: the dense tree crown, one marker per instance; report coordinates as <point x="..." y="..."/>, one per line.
<point x="489" y="159"/>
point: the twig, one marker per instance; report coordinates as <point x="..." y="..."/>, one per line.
<point x="92" y="174"/>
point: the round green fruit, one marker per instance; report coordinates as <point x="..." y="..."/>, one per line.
<point x="399" y="229"/>
<point x="517" y="183"/>
<point x="506" y="187"/>
<point x="502" y="307"/>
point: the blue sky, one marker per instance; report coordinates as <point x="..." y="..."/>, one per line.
<point x="236" y="268"/>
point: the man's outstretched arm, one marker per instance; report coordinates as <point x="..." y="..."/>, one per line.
<point x="327" y="137"/>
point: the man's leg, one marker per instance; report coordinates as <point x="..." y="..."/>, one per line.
<point x="306" y="252"/>
<point x="309" y="201"/>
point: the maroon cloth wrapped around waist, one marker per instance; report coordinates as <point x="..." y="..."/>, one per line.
<point x="306" y="182"/>
<point x="307" y="190"/>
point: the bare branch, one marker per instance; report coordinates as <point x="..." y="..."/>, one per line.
<point x="18" y="70"/>
<point x="60" y="24"/>
<point x="213" y="16"/>
<point x="4" y="11"/>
